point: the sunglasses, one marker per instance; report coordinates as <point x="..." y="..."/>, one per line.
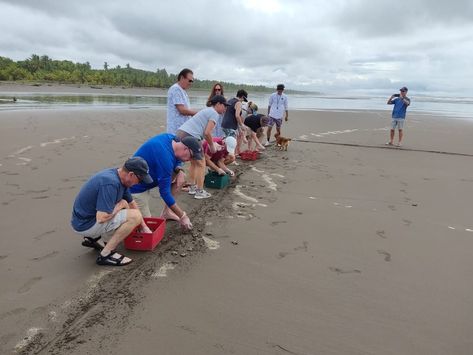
<point x="190" y="80"/>
<point x="218" y="89"/>
<point x="139" y="177"/>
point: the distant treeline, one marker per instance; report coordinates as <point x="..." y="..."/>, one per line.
<point x="44" y="69"/>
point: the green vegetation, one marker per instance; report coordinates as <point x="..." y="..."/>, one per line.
<point x="44" y="69"/>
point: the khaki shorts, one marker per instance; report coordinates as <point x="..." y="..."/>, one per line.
<point x="142" y="200"/>
<point x="99" y="229"/>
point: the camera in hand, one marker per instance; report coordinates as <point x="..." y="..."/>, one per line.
<point x="396" y="95"/>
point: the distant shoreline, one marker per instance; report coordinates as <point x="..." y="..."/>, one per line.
<point x="147" y="97"/>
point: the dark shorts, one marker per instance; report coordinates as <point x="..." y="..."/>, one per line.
<point x="277" y="121"/>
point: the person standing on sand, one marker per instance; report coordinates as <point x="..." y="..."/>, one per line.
<point x="104" y="204"/>
<point x="178" y="105"/>
<point x="164" y="155"/>
<point x="400" y="102"/>
<point x="232" y="122"/>
<point x="277" y="106"/>
<point x="201" y="126"/>
<point x="217" y="89"/>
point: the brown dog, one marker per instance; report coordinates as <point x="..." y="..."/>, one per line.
<point x="281" y="142"/>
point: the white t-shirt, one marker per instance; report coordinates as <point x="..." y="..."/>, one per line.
<point x="176" y="96"/>
<point x="196" y="125"/>
<point x="277" y="105"/>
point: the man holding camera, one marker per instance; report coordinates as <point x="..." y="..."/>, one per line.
<point x="400" y="102"/>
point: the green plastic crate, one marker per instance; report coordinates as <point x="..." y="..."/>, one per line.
<point x="215" y="181"/>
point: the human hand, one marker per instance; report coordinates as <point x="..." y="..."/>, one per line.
<point x="230" y="172"/>
<point x="122" y="204"/>
<point x="145" y="229"/>
<point x="220" y="171"/>
<point x="286" y="119"/>
<point x="185" y="222"/>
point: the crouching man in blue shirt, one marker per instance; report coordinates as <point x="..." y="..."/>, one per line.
<point x="104" y="204"/>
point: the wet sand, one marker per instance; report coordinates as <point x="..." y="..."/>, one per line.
<point x="339" y="246"/>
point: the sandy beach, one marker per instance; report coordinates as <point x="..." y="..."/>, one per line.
<point x="340" y="245"/>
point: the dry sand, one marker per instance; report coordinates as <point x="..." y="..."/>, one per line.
<point x="344" y="246"/>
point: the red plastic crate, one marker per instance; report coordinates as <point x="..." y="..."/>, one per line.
<point x="249" y="155"/>
<point x="147" y="241"/>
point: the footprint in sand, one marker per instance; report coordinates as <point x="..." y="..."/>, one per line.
<point x="381" y="234"/>
<point x="39" y="258"/>
<point x="387" y="256"/>
<point x="13" y="312"/>
<point x="303" y="247"/>
<point x="407" y="222"/>
<point x="38" y="237"/>
<point x="27" y="286"/>
<point x="392" y="207"/>
<point x="275" y="223"/>
<point x="297" y="212"/>
<point x="3" y="256"/>
<point x="283" y="254"/>
<point x="341" y="271"/>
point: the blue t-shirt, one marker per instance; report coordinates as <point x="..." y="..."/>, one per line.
<point x="176" y="96"/>
<point x="400" y="107"/>
<point x="159" y="155"/>
<point x="100" y="193"/>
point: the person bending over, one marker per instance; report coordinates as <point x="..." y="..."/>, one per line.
<point x="218" y="161"/>
<point x="164" y="155"/>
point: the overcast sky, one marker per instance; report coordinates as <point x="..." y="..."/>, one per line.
<point x="327" y="46"/>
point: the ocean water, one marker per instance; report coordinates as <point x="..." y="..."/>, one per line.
<point x="461" y="107"/>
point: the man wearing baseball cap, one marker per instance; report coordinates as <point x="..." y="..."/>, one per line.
<point x="201" y="126"/>
<point x="400" y="102"/>
<point x="104" y="205"/>
<point x="277" y="109"/>
<point x="164" y="154"/>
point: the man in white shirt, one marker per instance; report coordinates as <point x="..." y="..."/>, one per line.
<point x="178" y="110"/>
<point x="277" y="107"/>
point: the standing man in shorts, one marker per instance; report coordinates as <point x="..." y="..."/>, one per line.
<point x="179" y="110"/>
<point x="277" y="108"/>
<point x="104" y="204"/>
<point x="400" y="102"/>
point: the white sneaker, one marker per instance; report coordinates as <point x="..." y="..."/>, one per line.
<point x="201" y="194"/>
<point x="192" y="189"/>
<point x="266" y="144"/>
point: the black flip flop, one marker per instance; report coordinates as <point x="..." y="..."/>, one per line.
<point x="90" y="242"/>
<point x="109" y="260"/>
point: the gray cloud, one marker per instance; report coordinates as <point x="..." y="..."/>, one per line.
<point x="318" y="45"/>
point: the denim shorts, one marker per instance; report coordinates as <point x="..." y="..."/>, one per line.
<point x="397" y="123"/>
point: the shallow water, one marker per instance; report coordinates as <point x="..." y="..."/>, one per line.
<point x="448" y="106"/>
